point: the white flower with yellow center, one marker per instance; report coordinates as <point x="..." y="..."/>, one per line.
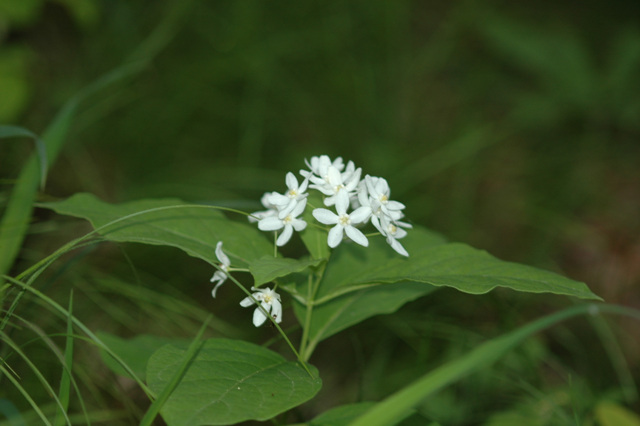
<point x="393" y="232"/>
<point x="289" y="223"/>
<point x="270" y="302"/>
<point x="285" y="203"/>
<point x="343" y="222"/>
<point x="220" y="276"/>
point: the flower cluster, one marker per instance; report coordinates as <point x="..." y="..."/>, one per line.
<point x="356" y="200"/>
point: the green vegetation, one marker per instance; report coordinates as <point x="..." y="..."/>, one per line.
<point x="136" y="135"/>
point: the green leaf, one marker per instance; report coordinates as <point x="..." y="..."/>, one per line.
<point x="229" y="381"/>
<point x="16" y="131"/>
<point x="195" y="229"/>
<point x="342" y="312"/>
<point x="433" y="262"/>
<point x="134" y="352"/>
<point x="342" y="415"/>
<point x="268" y="268"/>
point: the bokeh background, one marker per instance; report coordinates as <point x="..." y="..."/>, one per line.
<point x="510" y="126"/>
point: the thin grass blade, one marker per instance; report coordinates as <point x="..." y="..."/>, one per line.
<point x="191" y="353"/>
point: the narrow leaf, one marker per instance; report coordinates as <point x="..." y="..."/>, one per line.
<point x="175" y="379"/>
<point x="393" y="407"/>
<point x="65" y="380"/>
<point x="41" y="150"/>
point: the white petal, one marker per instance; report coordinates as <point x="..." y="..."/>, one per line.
<point x="354" y="180"/>
<point x="335" y="178"/>
<point x="215" y="289"/>
<point x="221" y="256"/>
<point x="360" y="215"/>
<point x="335" y="236"/>
<point x="270" y="224"/>
<point x="325" y="216"/>
<point x="299" y="224"/>
<point x="278" y="199"/>
<point x="304" y="185"/>
<point x="276" y="310"/>
<point x="247" y="301"/>
<point x="395" y="205"/>
<point x="397" y="246"/>
<point x="258" y="317"/>
<point x="299" y="208"/>
<point x="342" y="202"/>
<point x="356" y="235"/>
<point x="292" y="182"/>
<point x="285" y="236"/>
<point x="400" y="233"/>
<point x="286" y="210"/>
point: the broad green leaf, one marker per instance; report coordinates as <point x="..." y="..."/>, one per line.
<point x="433" y="262"/>
<point x="229" y="381"/>
<point x="349" y="309"/>
<point x="135" y="352"/>
<point x="195" y="229"/>
<point x="268" y="268"/>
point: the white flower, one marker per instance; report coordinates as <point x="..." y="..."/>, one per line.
<point x="320" y="166"/>
<point x="393" y="232"/>
<point x="269" y="300"/>
<point x="343" y="222"/>
<point x="220" y="276"/>
<point x="271" y="209"/>
<point x="285" y="203"/>
<point x="379" y="191"/>
<point x="289" y="223"/>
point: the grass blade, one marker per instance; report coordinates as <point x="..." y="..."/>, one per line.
<point x="391" y="409"/>
<point x="41" y="149"/>
<point x="65" y="380"/>
<point x="191" y="353"/>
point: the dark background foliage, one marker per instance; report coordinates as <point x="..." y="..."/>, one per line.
<point x="513" y="127"/>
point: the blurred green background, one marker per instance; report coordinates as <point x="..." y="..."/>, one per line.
<point x="513" y="127"/>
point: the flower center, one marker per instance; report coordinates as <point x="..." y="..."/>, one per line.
<point x="287" y="219"/>
<point x="392" y="229"/>
<point x="344" y="220"/>
<point x="267" y="298"/>
<point x="293" y="193"/>
<point x="384" y="198"/>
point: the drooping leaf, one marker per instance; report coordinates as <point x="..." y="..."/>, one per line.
<point x="194" y="229"/>
<point x="229" y="381"/>
<point x="360" y="283"/>
<point x="135" y="352"/>
<point x="268" y="268"/>
<point x="434" y="262"/>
